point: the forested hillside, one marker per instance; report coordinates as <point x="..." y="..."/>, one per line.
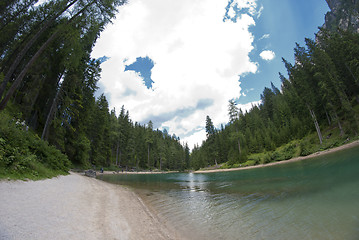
<point x="316" y="108"/>
<point x="48" y="82"/>
<point x="51" y="119"/>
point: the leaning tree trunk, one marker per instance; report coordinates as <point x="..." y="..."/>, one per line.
<point x="21" y="76"/>
<point x="22" y="10"/>
<point x="28" y="45"/>
<point x="316" y="125"/>
<point x="52" y="111"/>
<point x="328" y="118"/>
<point x="339" y="124"/>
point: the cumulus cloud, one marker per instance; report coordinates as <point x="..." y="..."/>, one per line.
<point x="267" y="55"/>
<point x="198" y="58"/>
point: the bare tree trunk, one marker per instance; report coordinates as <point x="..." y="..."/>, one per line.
<point x="52" y="110"/>
<point x="117" y="148"/>
<point x="28" y="45"/>
<point x="316" y="125"/>
<point x="49" y="116"/>
<point x="148" y="155"/>
<point x="339" y="124"/>
<point x="328" y="118"/>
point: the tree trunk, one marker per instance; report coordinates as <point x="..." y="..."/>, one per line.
<point x="52" y="110"/>
<point x="160" y="163"/>
<point x="33" y="60"/>
<point x="239" y="147"/>
<point x="351" y="73"/>
<point x="28" y="45"/>
<point x="328" y="118"/>
<point x="239" y="144"/>
<point x="316" y="125"/>
<point x="120" y="158"/>
<point x="117" y="148"/>
<point x="21" y="76"/>
<point x="12" y="19"/>
<point x="148" y="155"/>
<point x="339" y="124"/>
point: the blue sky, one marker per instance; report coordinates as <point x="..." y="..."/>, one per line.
<point x="175" y="62"/>
<point x="287" y="22"/>
<point x="143" y="66"/>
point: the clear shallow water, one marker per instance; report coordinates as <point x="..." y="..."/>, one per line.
<point x="311" y="199"/>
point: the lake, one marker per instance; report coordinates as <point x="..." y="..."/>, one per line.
<point x="316" y="198"/>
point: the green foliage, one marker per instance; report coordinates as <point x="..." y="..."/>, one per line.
<point x="316" y="109"/>
<point x="56" y="98"/>
<point x="48" y="48"/>
<point x="249" y="163"/>
<point x="24" y="155"/>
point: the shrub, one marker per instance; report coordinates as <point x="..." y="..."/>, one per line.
<point x="24" y="155"/>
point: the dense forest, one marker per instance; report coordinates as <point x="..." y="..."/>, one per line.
<point x="48" y="85"/>
<point x="51" y="119"/>
<point x="318" y="105"/>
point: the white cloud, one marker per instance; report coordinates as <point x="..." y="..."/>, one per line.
<point x="248" y="106"/>
<point x="267" y="55"/>
<point x="259" y="12"/>
<point x="265" y="36"/>
<point x="197" y="57"/>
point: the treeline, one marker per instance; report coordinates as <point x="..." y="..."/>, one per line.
<point x="320" y="92"/>
<point x="48" y="79"/>
<point x="135" y="145"/>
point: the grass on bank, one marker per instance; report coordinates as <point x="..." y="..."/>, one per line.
<point x="23" y="155"/>
<point x="296" y="148"/>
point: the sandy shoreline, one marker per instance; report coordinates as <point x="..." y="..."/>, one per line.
<point x="75" y="207"/>
<point x="346" y="146"/>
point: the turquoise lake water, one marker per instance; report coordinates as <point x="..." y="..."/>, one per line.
<point x="312" y="199"/>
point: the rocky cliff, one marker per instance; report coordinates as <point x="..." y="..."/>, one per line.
<point x="344" y="14"/>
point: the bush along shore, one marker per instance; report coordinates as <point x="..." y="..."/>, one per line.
<point x="23" y="155"/>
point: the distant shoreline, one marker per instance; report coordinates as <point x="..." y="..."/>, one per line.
<point x="131" y="173"/>
<point x="296" y="159"/>
<point x="328" y="151"/>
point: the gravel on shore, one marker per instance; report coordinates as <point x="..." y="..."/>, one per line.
<point x="75" y="207"/>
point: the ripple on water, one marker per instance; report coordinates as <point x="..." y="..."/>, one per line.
<point x="314" y="199"/>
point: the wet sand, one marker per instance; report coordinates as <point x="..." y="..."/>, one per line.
<point x="75" y="207"/>
<point x="346" y="146"/>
